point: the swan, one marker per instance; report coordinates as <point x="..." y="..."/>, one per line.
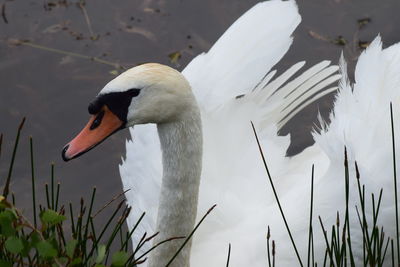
<point x="192" y="145"/>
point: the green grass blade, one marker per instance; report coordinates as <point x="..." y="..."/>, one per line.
<point x="104" y="230"/>
<point x="276" y="195"/>
<point x="328" y="247"/>
<point x="391" y="245"/>
<point x="57" y="195"/>
<point x="139" y="259"/>
<point x="125" y="244"/>
<point x="118" y="226"/>
<point x="395" y="184"/>
<point x="14" y="153"/>
<point x="190" y="235"/>
<point x="311" y="215"/>
<point x="1" y="143"/>
<point x="384" y="252"/>
<point x="268" y="249"/>
<point x="273" y="253"/>
<point x="89" y="215"/>
<point x="229" y="255"/>
<point x="52" y="187"/>
<point x="33" y="182"/>
<point x="47" y="196"/>
<point x="72" y="220"/>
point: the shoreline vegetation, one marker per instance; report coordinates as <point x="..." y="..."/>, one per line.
<point x="57" y="236"/>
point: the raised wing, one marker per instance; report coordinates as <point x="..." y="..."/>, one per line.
<point x="244" y="53"/>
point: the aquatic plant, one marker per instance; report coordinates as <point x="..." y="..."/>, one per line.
<point x="55" y="236"/>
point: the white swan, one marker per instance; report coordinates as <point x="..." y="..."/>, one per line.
<point x="203" y="122"/>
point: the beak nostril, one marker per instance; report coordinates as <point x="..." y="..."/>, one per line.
<point x="64" y="157"/>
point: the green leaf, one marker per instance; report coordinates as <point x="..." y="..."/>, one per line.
<point x="70" y="247"/>
<point x="46" y="250"/>
<point x="51" y="217"/>
<point x="6" y="223"/>
<point x="119" y="258"/>
<point x="76" y="261"/>
<point x="101" y="252"/>
<point x="14" y="245"/>
<point x="8" y="214"/>
<point x="7" y="228"/>
<point x="4" y="263"/>
<point x="100" y="265"/>
<point x="35" y="239"/>
<point x="27" y="247"/>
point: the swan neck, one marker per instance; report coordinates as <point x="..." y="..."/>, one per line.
<point x="181" y="144"/>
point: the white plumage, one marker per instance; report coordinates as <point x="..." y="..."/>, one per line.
<point x="233" y="176"/>
<point x="202" y="150"/>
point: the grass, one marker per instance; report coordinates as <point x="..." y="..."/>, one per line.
<point x="339" y="249"/>
<point x="57" y="236"/>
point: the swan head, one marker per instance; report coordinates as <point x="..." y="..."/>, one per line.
<point x="149" y="93"/>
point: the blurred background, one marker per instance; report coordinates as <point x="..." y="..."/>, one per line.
<point x="48" y="75"/>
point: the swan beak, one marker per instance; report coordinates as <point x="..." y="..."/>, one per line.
<point x="99" y="127"/>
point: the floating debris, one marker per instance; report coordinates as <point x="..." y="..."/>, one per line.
<point x="174" y="57"/>
<point x="339" y="41"/>
<point x="151" y="10"/>
<point x="141" y="31"/>
<point x="77" y="35"/>
<point x="95" y="37"/>
<point x="17" y="42"/>
<point x="363" y="22"/>
<point x="363" y="44"/>
<point x="114" y="72"/>
<point x="55" y="28"/>
<point x="66" y="60"/>
<point x="318" y="36"/>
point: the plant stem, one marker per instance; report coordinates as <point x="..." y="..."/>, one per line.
<point x="310" y="233"/>
<point x="33" y="182"/>
<point x="229" y="255"/>
<point x="275" y="194"/>
<point x="395" y="183"/>
<point x="7" y="184"/>
<point x="190" y="235"/>
<point x="72" y="54"/>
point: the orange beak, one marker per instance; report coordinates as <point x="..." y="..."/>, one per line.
<point x="99" y="127"/>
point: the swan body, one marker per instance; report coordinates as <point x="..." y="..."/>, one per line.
<point x="192" y="145"/>
<point x="233" y="176"/>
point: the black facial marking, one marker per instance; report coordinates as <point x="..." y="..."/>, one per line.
<point x="95" y="107"/>
<point x="97" y="120"/>
<point x="117" y="102"/>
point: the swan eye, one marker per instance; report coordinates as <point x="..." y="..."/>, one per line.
<point x="117" y="102"/>
<point x="97" y="120"/>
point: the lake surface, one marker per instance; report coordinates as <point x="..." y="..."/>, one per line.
<point x="53" y="90"/>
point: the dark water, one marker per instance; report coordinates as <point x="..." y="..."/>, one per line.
<point x="53" y="90"/>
